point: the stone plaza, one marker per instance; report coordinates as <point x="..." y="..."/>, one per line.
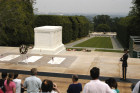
<point x="72" y="62"/>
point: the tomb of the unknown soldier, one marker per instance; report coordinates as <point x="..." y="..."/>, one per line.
<point x="48" y="40"/>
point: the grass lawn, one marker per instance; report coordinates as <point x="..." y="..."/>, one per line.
<point x="96" y="42"/>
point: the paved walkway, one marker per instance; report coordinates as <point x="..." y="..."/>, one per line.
<point x="116" y="44"/>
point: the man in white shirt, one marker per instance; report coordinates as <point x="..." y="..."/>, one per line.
<point x="95" y="85"/>
<point x="33" y="83"/>
<point x="137" y="88"/>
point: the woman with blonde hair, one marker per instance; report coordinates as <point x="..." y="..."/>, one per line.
<point x="10" y="86"/>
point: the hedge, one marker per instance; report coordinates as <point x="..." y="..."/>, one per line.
<point x="75" y="27"/>
<point x="123" y="33"/>
<point x="83" y="26"/>
<point x="122" y="36"/>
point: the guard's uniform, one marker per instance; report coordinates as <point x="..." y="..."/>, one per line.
<point x="124" y="65"/>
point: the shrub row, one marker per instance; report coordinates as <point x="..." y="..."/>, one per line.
<point x="123" y="36"/>
<point x="123" y="32"/>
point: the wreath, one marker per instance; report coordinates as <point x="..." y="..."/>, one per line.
<point x="23" y="49"/>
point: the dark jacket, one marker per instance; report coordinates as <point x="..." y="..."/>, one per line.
<point x="124" y="60"/>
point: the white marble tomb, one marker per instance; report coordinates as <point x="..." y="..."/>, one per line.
<point x="48" y="40"/>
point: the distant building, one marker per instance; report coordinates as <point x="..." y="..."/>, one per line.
<point x="134" y="46"/>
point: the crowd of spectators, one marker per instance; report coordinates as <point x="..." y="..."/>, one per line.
<point x="11" y="84"/>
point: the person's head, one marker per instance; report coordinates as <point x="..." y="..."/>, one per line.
<point x="33" y="71"/>
<point x="95" y="72"/>
<point x="4" y="75"/>
<point x="74" y="78"/>
<point x="47" y="86"/>
<point x="125" y="50"/>
<point x="15" y="75"/>
<point x="10" y="78"/>
<point x="112" y="83"/>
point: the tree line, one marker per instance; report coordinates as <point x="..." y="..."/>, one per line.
<point x="17" y="23"/>
<point x="123" y="26"/>
<point x="129" y="25"/>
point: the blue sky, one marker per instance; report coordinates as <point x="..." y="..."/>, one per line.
<point x="84" y="6"/>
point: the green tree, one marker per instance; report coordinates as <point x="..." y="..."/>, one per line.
<point x="134" y="25"/>
<point x="103" y="28"/>
<point x="129" y="25"/>
<point x="83" y="26"/>
<point x="91" y="26"/>
<point x="114" y="24"/>
<point x="75" y="27"/>
<point x="16" y="22"/>
<point x="137" y="5"/>
<point x="133" y="11"/>
<point x="101" y="19"/>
